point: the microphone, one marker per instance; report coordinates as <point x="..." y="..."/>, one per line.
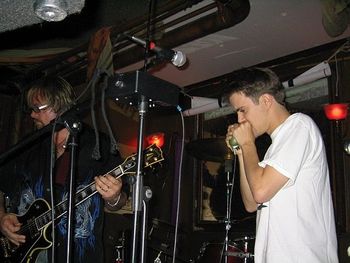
<point x="233" y="143"/>
<point x="177" y="58"/>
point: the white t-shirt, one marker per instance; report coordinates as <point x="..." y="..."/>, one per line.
<point x="297" y="225"/>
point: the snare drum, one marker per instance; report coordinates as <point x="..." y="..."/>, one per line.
<point x="245" y="243"/>
<point x="214" y="253"/>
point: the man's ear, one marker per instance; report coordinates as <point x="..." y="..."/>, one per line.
<point x="266" y="99"/>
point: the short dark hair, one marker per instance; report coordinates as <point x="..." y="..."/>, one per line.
<point x="254" y="82"/>
<point x="56" y="90"/>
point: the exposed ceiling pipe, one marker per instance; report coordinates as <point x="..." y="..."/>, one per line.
<point x="225" y="16"/>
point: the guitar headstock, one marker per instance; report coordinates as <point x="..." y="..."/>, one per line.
<point x="151" y="155"/>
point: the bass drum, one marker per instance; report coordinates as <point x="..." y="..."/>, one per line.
<point x="214" y="253"/>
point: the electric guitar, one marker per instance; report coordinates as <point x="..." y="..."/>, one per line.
<point x="38" y="218"/>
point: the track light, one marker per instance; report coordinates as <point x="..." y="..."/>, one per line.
<point x="51" y="10"/>
<point x="347" y="146"/>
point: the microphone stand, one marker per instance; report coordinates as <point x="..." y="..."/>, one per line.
<point x="229" y="191"/>
<point x="73" y="125"/>
<point x="138" y="189"/>
<point x="138" y="186"/>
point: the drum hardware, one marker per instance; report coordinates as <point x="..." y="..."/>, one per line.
<point x="245" y="238"/>
<point x="202" y="251"/>
<point x="240" y="254"/>
<point x="246" y="244"/>
<point x="160" y="242"/>
<point x="214" y="252"/>
<point x="157" y="259"/>
<point x="119" y="251"/>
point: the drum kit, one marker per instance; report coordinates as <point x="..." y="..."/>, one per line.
<point x="237" y="250"/>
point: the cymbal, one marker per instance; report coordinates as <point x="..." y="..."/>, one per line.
<point x="209" y="149"/>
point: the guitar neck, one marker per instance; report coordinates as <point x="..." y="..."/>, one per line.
<point x="80" y="196"/>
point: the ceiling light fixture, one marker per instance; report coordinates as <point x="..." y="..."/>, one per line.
<point x="51" y="10"/>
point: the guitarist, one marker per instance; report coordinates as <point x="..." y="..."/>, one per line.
<point x="27" y="178"/>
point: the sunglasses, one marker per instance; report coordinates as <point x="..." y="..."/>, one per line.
<point x="39" y="108"/>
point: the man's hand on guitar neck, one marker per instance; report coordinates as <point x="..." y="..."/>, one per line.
<point x="110" y="189"/>
<point x="9" y="225"/>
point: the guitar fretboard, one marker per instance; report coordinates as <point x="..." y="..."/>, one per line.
<point x="81" y="195"/>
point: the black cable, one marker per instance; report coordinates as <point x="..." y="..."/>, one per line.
<point x="113" y="143"/>
<point x="96" y="151"/>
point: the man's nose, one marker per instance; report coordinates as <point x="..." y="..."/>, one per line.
<point x="33" y="114"/>
<point x="240" y="117"/>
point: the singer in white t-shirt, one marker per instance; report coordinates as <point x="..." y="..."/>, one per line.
<point x="290" y="187"/>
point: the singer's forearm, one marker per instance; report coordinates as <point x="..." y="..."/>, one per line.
<point x="253" y="172"/>
<point x="247" y="197"/>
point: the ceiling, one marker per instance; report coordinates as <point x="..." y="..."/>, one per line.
<point x="272" y="29"/>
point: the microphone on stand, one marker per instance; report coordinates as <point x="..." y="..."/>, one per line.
<point x="177" y="58"/>
<point x="229" y="157"/>
<point x="233" y="143"/>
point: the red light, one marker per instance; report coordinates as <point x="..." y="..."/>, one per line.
<point x="337" y="111"/>
<point x="152" y="45"/>
<point x="155" y="138"/>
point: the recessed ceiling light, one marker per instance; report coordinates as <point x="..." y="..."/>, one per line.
<point x="51" y="10"/>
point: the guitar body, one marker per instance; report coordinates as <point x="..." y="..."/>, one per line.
<point x="36" y="239"/>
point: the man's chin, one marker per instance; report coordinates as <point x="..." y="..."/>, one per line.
<point x="38" y="125"/>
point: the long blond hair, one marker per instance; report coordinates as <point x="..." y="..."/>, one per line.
<point x="57" y="92"/>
